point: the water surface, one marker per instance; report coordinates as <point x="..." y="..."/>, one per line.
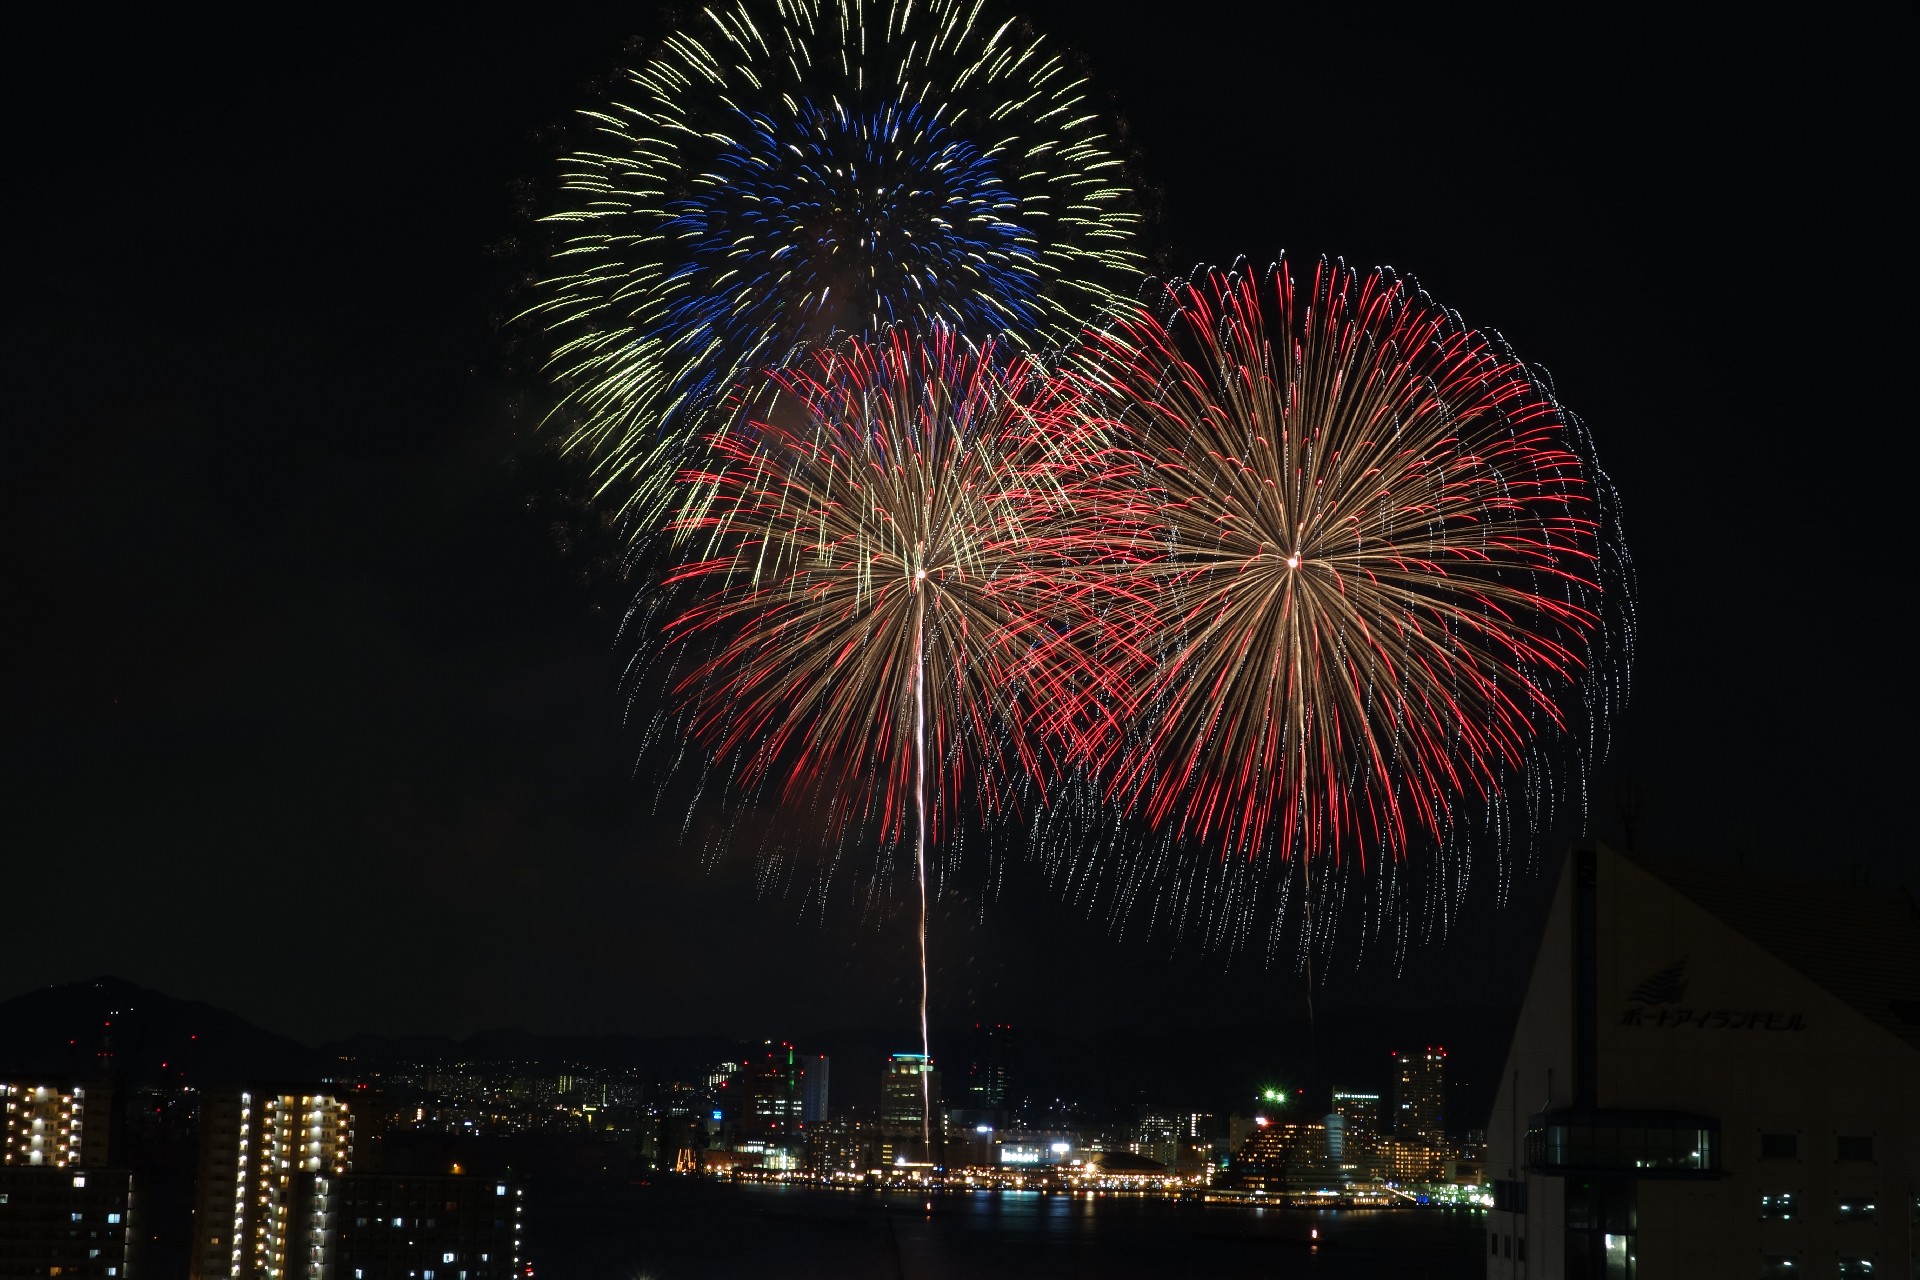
<point x="680" y="1229"/>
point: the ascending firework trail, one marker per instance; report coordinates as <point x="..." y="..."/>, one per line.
<point x="872" y="630"/>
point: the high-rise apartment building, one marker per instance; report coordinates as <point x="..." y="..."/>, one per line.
<point x="1420" y="1096"/>
<point x="270" y="1161"/>
<point x="60" y="1125"/>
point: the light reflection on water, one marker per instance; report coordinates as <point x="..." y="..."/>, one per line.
<point x="682" y="1230"/>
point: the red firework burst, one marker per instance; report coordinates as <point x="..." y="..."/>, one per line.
<point x="1362" y="563"/>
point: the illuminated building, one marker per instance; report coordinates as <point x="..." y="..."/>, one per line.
<point x="1360" y="1110"/>
<point x="903" y="1095"/>
<point x="1281" y="1159"/>
<point x="1158" y="1137"/>
<point x="1420" y="1101"/>
<point x="426" y="1227"/>
<point x="62" y="1126"/>
<point x="1713" y="1075"/>
<point x="766" y="1095"/>
<point x="73" y="1222"/>
<point x="843" y="1146"/>
<point x="270" y="1162"/>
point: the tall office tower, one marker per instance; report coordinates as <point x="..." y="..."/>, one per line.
<point x="988" y="1069"/>
<point x="813" y="1088"/>
<point x="63" y="1126"/>
<point x="426" y="1227"/>
<point x="75" y="1223"/>
<point x="767" y="1094"/>
<point x="903" y="1096"/>
<point x="270" y="1160"/>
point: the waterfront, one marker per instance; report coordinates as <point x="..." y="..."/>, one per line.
<point x="682" y="1229"/>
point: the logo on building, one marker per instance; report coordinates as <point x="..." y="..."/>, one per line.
<point x="1669" y="986"/>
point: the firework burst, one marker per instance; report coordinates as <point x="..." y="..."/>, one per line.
<point x="874" y="620"/>
<point x="839" y="168"/>
<point x="1368" y="569"/>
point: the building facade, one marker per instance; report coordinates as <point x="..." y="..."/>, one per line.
<point x="1713" y="1075"/>
<point x="1420" y="1112"/>
<point x="71" y="1222"/>
<point x="426" y="1227"/>
<point x="989" y="1066"/>
<point x="270" y="1160"/>
<point x="56" y="1124"/>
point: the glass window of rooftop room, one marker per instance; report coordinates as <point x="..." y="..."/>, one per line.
<point x="1779" y="1146"/>
<point x="1778" y="1264"/>
<point x="1777" y="1206"/>
<point x="1853" y="1147"/>
<point x="1855" y="1208"/>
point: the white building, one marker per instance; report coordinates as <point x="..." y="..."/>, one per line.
<point x="1713" y="1075"/>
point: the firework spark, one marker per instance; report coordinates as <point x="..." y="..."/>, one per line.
<point x="1368" y="562"/>
<point x="873" y="622"/>
<point x="845" y="167"/>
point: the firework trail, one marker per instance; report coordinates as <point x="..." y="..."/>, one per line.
<point x="835" y="168"/>
<point x="874" y="629"/>
<point x="1367" y="583"/>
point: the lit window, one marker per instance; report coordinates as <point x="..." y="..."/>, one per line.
<point x="113" y="1218"/>
<point x="1778" y="1264"/>
<point x="1855" y="1208"/>
<point x="500" y="1188"/>
<point x="79" y="1179"/>
<point x="1855" y="1267"/>
<point x="446" y="1257"/>
<point x="396" y="1222"/>
<point x="1777" y="1206"/>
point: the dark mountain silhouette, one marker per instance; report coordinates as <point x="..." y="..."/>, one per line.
<point x="110" y="1028"/>
<point x="663" y="1057"/>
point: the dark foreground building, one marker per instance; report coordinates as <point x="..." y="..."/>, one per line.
<point x="426" y="1227"/>
<point x="73" y="1223"/>
<point x="1714" y="1075"/>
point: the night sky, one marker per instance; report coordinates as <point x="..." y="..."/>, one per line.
<point x="315" y="707"/>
